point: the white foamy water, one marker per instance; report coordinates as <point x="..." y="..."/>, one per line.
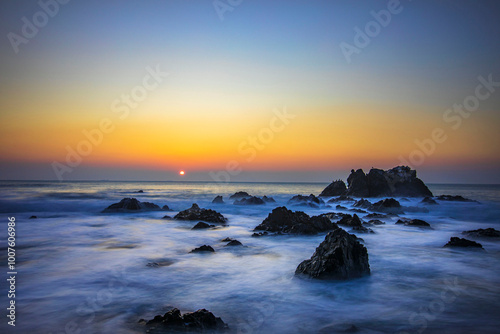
<point x="79" y="269"/>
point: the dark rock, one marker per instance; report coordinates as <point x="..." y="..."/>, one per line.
<point x="483" y="233"/>
<point x="218" y="200"/>
<point x="388" y="205"/>
<point x="268" y="199"/>
<point x="362" y="229"/>
<point x="342" y="198"/>
<point x="166" y="208"/>
<point x="131" y="204"/>
<point x="358" y="211"/>
<point x="140" y="191"/>
<point x="259" y="234"/>
<point x="340" y="207"/>
<point x="460" y="242"/>
<point x="33" y="217"/>
<point x="234" y="243"/>
<point x="309" y="201"/>
<point x="429" y="201"/>
<point x="199" y="321"/>
<point x="375" y="222"/>
<point x="351" y="221"/>
<point x="201" y="225"/>
<point x="332" y="215"/>
<point x="336" y="188"/>
<point x="412" y="222"/>
<point x="362" y="203"/>
<point x="204" y="248"/>
<point x="249" y="201"/>
<point x="195" y="213"/>
<point x="240" y="195"/>
<point x="376" y="215"/>
<point x="340" y="256"/>
<point x="286" y="221"/>
<point x="166" y="217"/>
<point x="398" y="181"/>
<point x="162" y="263"/>
<point x="456" y="198"/>
<point x="227" y="239"/>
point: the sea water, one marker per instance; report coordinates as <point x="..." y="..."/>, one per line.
<point x="83" y="271"/>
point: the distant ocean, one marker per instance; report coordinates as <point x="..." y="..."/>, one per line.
<point x="81" y="269"/>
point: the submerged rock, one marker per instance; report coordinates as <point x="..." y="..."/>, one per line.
<point x="376" y="215"/>
<point x="268" y="199"/>
<point x="259" y="234"/>
<point x="201" y="225"/>
<point x="140" y="191"/>
<point x="249" y="201"/>
<point x="375" y="222"/>
<point x="195" y="213"/>
<point x="227" y="239"/>
<point x="388" y="205"/>
<point x="340" y="207"/>
<point x="342" y="198"/>
<point x="33" y="217"/>
<point x="234" y="243"/>
<point x="204" y="248"/>
<point x="455" y="198"/>
<point x="336" y="188"/>
<point x="131" y="204"/>
<point x="399" y="181"/>
<point x="310" y="201"/>
<point x="460" y="242"/>
<point x="239" y="195"/>
<point x="218" y="200"/>
<point x="483" y="233"/>
<point x="286" y="221"/>
<point x="429" y="201"/>
<point x="340" y="256"/>
<point x="412" y="222"/>
<point x="362" y="203"/>
<point x="166" y="208"/>
<point x="199" y="321"/>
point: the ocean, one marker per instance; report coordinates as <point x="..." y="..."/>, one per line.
<point x="83" y="271"/>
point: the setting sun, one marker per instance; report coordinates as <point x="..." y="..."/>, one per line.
<point x="181" y="173"/>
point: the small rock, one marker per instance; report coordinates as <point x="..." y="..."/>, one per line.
<point x="33" y="217"/>
<point x="201" y="225"/>
<point x="129" y="205"/>
<point x="340" y="207"/>
<point x="388" y="205"/>
<point x="218" y="200"/>
<point x="166" y="217"/>
<point x="460" y="242"/>
<point x="227" y="239"/>
<point x="268" y="199"/>
<point x="336" y="188"/>
<point x="455" y="198"/>
<point x="259" y="234"/>
<point x="351" y="221"/>
<point x="199" y="321"/>
<point x="412" y="222"/>
<point x="429" y="201"/>
<point x="196" y="213"/>
<point x="204" y="248"/>
<point x="309" y="201"/>
<point x="166" y="208"/>
<point x="140" y="191"/>
<point x="249" y="201"/>
<point x="362" y="203"/>
<point x="234" y="243"/>
<point x="483" y="233"/>
<point x="239" y="195"/>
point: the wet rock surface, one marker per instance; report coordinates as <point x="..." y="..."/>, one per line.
<point x="336" y="188"/>
<point x="131" y="205"/>
<point x="462" y="243"/>
<point x="175" y="322"/>
<point x="483" y="233"/>
<point x="196" y="213"/>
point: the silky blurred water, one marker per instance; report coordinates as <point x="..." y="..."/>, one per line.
<point x="82" y="271"/>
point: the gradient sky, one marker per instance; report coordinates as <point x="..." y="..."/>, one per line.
<point x="227" y="76"/>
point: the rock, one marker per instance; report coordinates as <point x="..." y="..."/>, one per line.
<point x="460" y="242"/>
<point x="483" y="233"/>
<point x="456" y="198"/>
<point x="201" y="225"/>
<point x="351" y="221"/>
<point x="375" y="222"/>
<point x="340" y="256"/>
<point x="140" y="191"/>
<point x="358" y="211"/>
<point x="158" y="264"/>
<point x="259" y="234"/>
<point x="249" y="201"/>
<point x="286" y="221"/>
<point x="199" y="321"/>
<point x="227" y="239"/>
<point x="234" y="243"/>
<point x="342" y="198"/>
<point x="131" y="204"/>
<point x="336" y="188"/>
<point x="399" y="181"/>
<point x="166" y="208"/>
<point x="166" y="217"/>
<point x="309" y="201"/>
<point x="33" y="217"/>
<point x="218" y="200"/>
<point x="268" y="199"/>
<point x="204" y="248"/>
<point x="376" y="215"/>
<point x="362" y="203"/>
<point x="429" y="201"/>
<point x="340" y="207"/>
<point x="240" y="195"/>
<point x="362" y="229"/>
<point x="388" y="205"/>
<point x="332" y="215"/>
<point x="412" y="222"/>
<point x="195" y="213"/>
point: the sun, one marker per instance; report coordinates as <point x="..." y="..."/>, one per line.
<point x="181" y="173"/>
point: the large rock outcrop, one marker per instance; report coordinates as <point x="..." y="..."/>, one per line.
<point x="336" y="188"/>
<point x="195" y="213"/>
<point x="131" y="205"/>
<point x="399" y="181"/>
<point x="340" y="256"/>
<point x="173" y="321"/>
<point x="286" y="221"/>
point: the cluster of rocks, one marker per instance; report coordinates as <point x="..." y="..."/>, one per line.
<point x="244" y="198"/>
<point x="399" y="181"/>
<point x="173" y="321"/>
<point x="197" y="213"/>
<point x="282" y="220"/>
<point x="310" y="201"/>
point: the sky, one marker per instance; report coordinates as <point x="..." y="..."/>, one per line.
<point x="295" y="90"/>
